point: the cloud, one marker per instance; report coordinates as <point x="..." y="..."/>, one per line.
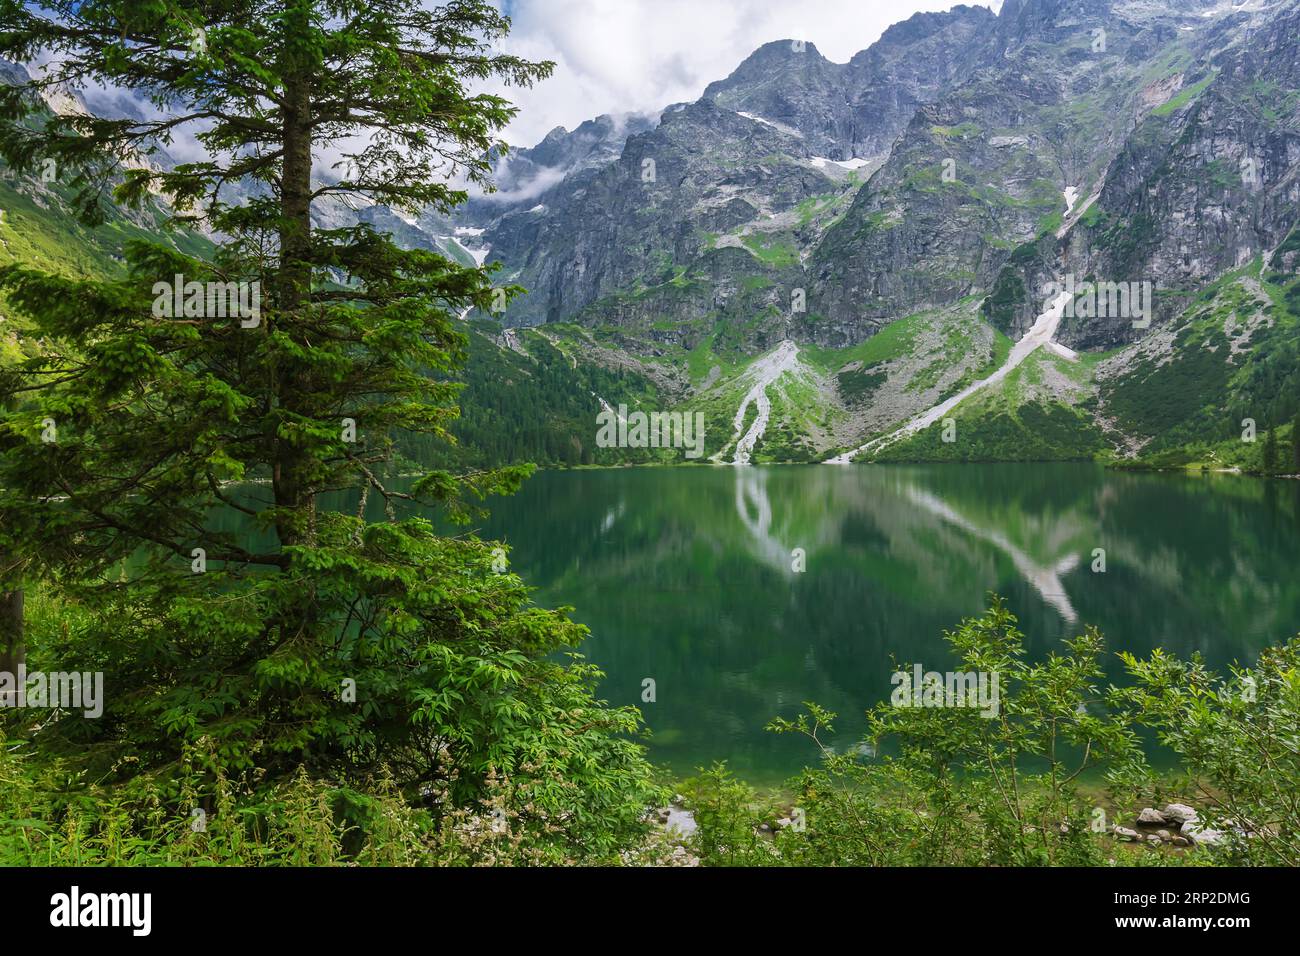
<point x="509" y="192"/>
<point x="618" y="56"/>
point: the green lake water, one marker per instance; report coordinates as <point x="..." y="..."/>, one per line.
<point x="684" y="576"/>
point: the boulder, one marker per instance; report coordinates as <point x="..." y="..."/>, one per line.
<point x="1201" y="836"/>
<point x="1150" y="817"/>
<point x="1124" y="833"/>
<point x="1179" y="813"/>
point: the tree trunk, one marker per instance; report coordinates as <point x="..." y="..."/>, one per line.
<point x="291" y="478"/>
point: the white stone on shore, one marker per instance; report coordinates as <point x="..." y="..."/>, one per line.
<point x="1201" y="836"/>
<point x="1179" y="813"/>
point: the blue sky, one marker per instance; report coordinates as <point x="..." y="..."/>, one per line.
<point x="620" y="56"/>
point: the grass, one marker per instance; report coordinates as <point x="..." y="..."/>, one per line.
<point x="895" y="340"/>
<point x="772" y="249"/>
<point x="1184" y="97"/>
<point x="44" y="235"/>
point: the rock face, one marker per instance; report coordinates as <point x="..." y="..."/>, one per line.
<point x="522" y="175"/>
<point x="936" y="185"/>
<point x="858" y="109"/>
<point x="703" y="172"/>
<point x="961" y="154"/>
<point x="986" y="178"/>
<point x="935" y="223"/>
<point x="965" y="164"/>
<point x="749" y="166"/>
<point x="1206" y="183"/>
<point x="1207" y="179"/>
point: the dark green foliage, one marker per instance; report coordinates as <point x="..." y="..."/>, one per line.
<point x="1236" y="736"/>
<point x="1204" y="393"/>
<point x="1295" y="444"/>
<point x="537" y="408"/>
<point x="857" y="387"/>
<point x="958" y="788"/>
<point x="1270" y="459"/>
<point x="1035" y="432"/>
<point x="1003" y="304"/>
<point x="1154" y="400"/>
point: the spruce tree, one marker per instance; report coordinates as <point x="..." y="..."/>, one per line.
<point x="251" y="617"/>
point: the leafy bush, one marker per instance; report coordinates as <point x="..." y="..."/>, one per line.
<point x="959" y="788"/>
<point x="1239" y="738"/>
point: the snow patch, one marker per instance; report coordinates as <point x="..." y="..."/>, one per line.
<point x="821" y="162"/>
<point x="1076" y="211"/>
<point x="1070" y="355"/>
<point x="766" y="371"/>
<point x="779" y="127"/>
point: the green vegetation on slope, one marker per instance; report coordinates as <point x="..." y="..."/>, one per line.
<point x="1017" y="420"/>
<point x="1235" y="357"/>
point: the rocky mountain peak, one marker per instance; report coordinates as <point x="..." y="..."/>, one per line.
<point x="783" y="55"/>
<point x="921" y="26"/>
<point x="1021" y="21"/>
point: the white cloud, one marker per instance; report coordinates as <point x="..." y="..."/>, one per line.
<point x="615" y="56"/>
<point x="507" y="192"/>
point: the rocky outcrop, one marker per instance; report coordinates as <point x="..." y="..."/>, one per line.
<point x="786" y="128"/>
<point x="643" y="221"/>
<point x="1014" y="157"/>
<point x="858" y="109"/>
<point x="1207" y="179"/>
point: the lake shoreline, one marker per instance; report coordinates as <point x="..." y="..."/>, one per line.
<point x="1189" y="470"/>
